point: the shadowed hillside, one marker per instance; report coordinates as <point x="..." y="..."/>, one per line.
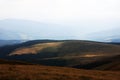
<point x="69" y="53"/>
<point x="2" y="61"/>
<point x="24" y="71"/>
<point x="112" y="64"/>
<point x="109" y="63"/>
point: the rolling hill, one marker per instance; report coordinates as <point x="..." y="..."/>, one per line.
<point x="69" y="53"/>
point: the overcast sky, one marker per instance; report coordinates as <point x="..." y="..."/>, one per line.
<point x="93" y="15"/>
<point x="60" y="10"/>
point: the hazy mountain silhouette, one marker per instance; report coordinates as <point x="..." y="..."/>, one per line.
<point x="9" y="42"/>
<point x="106" y="36"/>
<point x="15" y="29"/>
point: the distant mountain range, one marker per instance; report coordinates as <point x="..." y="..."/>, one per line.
<point x="106" y="36"/>
<point x="9" y="42"/>
<point x="13" y="29"/>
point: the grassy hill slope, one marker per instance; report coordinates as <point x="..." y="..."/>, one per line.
<point x="69" y="53"/>
<point x="2" y="61"/>
<point x="112" y="64"/>
<point x="37" y="72"/>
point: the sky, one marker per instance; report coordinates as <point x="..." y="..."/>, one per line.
<point x="85" y="16"/>
<point x="60" y="10"/>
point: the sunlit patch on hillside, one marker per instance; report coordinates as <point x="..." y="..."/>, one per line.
<point x="92" y="55"/>
<point x="35" y="48"/>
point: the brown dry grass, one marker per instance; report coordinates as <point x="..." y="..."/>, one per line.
<point x="37" y="72"/>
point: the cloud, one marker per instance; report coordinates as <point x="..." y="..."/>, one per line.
<point x="25" y="37"/>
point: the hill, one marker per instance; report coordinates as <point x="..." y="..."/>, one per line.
<point x="111" y="64"/>
<point x="25" y="71"/>
<point x="38" y="72"/>
<point x="116" y="43"/>
<point x="12" y="62"/>
<point x="70" y="53"/>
